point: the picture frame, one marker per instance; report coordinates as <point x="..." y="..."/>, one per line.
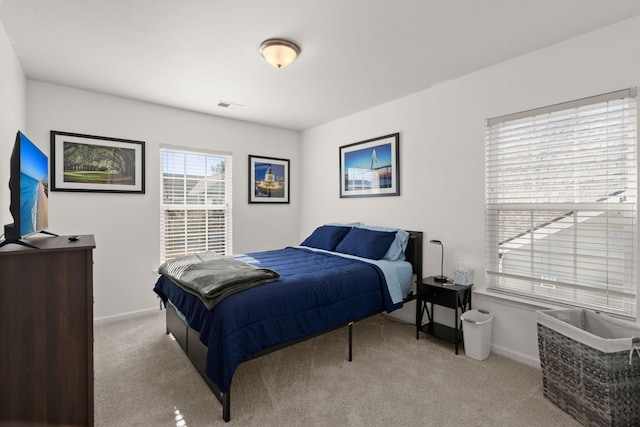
<point x="371" y="168"/>
<point x="96" y="163"/>
<point x="268" y="180"/>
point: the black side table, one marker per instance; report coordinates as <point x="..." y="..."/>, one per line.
<point x="432" y="293"/>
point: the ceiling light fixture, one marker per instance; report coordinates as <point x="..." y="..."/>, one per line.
<point x="279" y="52"/>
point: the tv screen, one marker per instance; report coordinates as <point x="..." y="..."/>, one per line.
<point x="29" y="185"/>
<point x="34" y="188"/>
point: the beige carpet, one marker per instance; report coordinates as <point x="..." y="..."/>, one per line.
<point x="144" y="379"/>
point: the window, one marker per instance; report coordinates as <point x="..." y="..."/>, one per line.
<point x="561" y="187"/>
<point x="195" y="203"/>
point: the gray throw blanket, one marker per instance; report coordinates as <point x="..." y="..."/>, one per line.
<point x="212" y="277"/>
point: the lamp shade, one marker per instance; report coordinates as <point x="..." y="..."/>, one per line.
<point x="279" y="52"/>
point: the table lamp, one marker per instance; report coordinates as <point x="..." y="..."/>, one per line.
<point x="441" y="277"/>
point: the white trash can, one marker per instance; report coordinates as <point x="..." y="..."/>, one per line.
<point x="476" y="330"/>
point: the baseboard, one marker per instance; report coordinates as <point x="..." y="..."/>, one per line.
<point x="518" y="357"/>
<point x="123" y="316"/>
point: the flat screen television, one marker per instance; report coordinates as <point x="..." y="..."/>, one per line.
<point x="29" y="187"/>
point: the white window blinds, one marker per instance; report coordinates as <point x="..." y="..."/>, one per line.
<point x="561" y="203"/>
<point x="195" y="203"/>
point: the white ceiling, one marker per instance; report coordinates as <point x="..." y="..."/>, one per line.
<point x="356" y="54"/>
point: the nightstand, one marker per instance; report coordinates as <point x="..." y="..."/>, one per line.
<point x="432" y="293"/>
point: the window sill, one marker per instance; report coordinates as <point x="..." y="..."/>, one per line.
<point x="534" y="305"/>
<point x="517" y="302"/>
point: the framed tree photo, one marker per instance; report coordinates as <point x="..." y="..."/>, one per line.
<point x="268" y="180"/>
<point x="96" y="163"/>
<point x="371" y="168"/>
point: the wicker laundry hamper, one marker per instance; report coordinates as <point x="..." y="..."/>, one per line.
<point x="591" y="366"/>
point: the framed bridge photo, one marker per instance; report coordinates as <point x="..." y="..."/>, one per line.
<point x="371" y="168"/>
<point x="96" y="163"/>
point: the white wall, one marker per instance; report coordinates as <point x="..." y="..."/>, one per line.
<point x="12" y="116"/>
<point x="442" y="157"/>
<point x="126" y="226"/>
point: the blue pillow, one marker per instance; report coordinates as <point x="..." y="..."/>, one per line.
<point x="326" y="237"/>
<point x="399" y="244"/>
<point x="366" y="243"/>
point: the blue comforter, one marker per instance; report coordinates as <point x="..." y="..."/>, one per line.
<point x="316" y="292"/>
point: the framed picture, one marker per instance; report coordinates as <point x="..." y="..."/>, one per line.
<point x="96" y="163"/>
<point x="371" y="168"/>
<point x="268" y="180"/>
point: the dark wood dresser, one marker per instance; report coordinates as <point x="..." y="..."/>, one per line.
<point x="46" y="332"/>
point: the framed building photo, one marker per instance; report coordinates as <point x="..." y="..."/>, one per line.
<point x="371" y="168"/>
<point x="268" y="180"/>
<point x="96" y="163"/>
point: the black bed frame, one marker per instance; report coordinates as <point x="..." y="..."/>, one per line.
<point x="189" y="340"/>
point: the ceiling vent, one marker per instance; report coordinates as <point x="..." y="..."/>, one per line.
<point x="230" y="105"/>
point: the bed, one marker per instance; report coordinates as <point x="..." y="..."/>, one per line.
<point x="323" y="284"/>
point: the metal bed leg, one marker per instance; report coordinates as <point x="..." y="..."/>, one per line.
<point x="350" y="341"/>
<point x="226" y="406"/>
